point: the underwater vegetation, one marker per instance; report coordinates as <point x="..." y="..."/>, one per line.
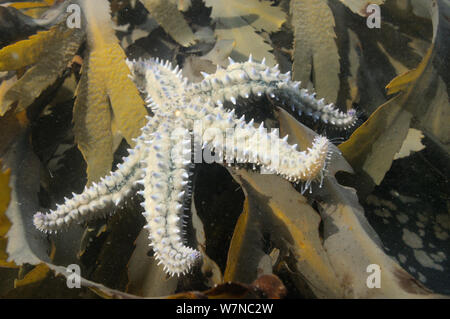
<point x="91" y="93"/>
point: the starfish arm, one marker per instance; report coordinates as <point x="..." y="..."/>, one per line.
<point x="89" y="204"/>
<point x="162" y="83"/>
<point x="244" y="143"/>
<point x="250" y="78"/>
<point x="165" y="182"/>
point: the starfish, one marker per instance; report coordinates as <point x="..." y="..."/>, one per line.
<point x="162" y="156"/>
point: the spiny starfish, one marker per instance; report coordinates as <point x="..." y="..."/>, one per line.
<point x="161" y="159"/>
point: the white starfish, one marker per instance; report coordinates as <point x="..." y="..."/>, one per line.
<point x="161" y="159"/>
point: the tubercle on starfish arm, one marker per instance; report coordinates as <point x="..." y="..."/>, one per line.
<point x="161" y="159"/>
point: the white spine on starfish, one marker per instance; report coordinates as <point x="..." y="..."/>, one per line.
<point x="165" y="180"/>
<point x="250" y="78"/>
<point x="89" y="204"/>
